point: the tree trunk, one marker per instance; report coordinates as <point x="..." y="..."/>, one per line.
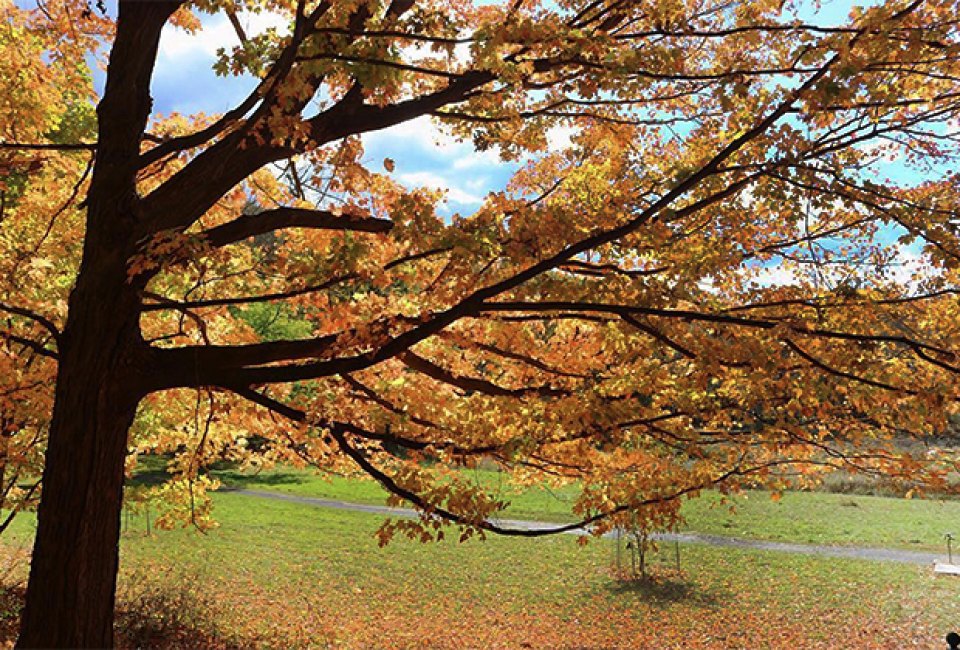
<point x="71" y="591"/>
<point x="102" y="362"/>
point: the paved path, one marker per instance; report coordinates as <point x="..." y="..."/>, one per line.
<point x="850" y="552"/>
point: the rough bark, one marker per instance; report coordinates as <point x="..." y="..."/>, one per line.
<point x="71" y="591"/>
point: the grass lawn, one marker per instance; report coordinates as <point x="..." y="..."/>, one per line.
<point x="803" y="517"/>
<point x="284" y="575"/>
<point x="279" y="574"/>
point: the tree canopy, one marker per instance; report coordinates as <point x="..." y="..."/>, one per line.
<point x="741" y="271"/>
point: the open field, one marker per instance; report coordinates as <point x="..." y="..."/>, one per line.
<point x="802" y="517"/>
<point x="278" y="574"/>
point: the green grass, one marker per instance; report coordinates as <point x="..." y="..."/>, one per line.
<point x="339" y="548"/>
<point x="525" y="503"/>
<point x="821" y="518"/>
<point x="281" y="574"/>
<point x="288" y="575"/>
<point x="803" y="517"/>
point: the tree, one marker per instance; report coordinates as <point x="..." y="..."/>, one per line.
<point x="696" y="293"/>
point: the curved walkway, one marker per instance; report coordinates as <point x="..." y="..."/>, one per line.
<point x="848" y="552"/>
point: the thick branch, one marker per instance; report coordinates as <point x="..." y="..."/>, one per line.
<point x="472" y="384"/>
<point x="126" y="102"/>
<point x="49" y="146"/>
<point x="191" y="361"/>
<point x="193" y="190"/>
<point x="266" y="88"/>
<point x="251" y="225"/>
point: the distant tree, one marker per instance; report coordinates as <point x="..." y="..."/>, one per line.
<point x="695" y="293"/>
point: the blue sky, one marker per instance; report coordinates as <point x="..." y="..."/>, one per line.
<point x="184" y="82"/>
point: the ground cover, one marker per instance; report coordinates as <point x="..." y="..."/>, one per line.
<point x="277" y="574"/>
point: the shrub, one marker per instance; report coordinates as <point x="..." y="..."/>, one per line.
<point x="163" y="607"/>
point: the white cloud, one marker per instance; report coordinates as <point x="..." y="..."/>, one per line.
<point x="883" y="149"/>
<point x="426" y="136"/>
<point x="776" y="275"/>
<point x="184" y="81"/>
<point x="560" y="137"/>
<point x="465" y="157"/>
<point x="427" y="156"/>
<point x="434" y="181"/>
<point x="908" y="267"/>
<point x="478" y="184"/>
<point x="448" y="163"/>
<point x="177" y="44"/>
<point x="216" y="32"/>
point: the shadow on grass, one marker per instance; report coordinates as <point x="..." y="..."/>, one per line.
<point x="236" y="479"/>
<point x="149" y="478"/>
<point x="662" y="590"/>
<point x="152" y="471"/>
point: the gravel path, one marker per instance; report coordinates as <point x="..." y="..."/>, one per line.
<point x="850" y="552"/>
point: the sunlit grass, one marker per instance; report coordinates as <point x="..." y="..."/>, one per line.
<point x="281" y="574"/>
<point x="803" y="517"/>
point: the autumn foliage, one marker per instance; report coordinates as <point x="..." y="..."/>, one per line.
<point x="741" y="271"/>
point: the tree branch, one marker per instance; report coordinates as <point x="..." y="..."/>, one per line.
<point x="251" y="225"/>
<point x="182" y="200"/>
<point x="343" y="119"/>
<point x="38" y="348"/>
<point x="510" y="354"/>
<point x="297" y="415"/>
<point x="167" y="303"/>
<point x="49" y="146"/>
<point x="43" y="321"/>
<point x="126" y="102"/>
<point x="339" y="430"/>
<point x="723" y="319"/>
<point x="266" y="88"/>
<point x="842" y="373"/>
<point x="190" y="361"/>
<point x="473" y="384"/>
